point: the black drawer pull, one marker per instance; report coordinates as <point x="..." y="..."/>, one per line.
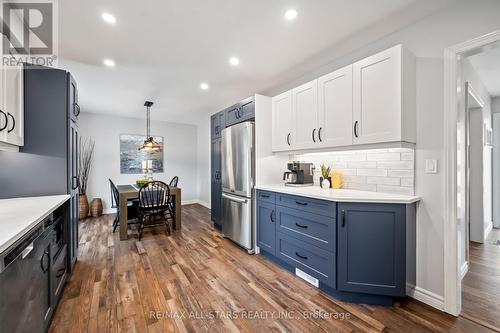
<point x="272" y="216"/>
<point x="60" y="273"/>
<point x="265" y="195"/>
<point x="343" y="218"/>
<point x="301" y="226"/>
<point x="301" y="203"/>
<point x="298" y="255"/>
<point x="13" y="122"/>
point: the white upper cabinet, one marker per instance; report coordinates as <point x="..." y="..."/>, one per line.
<point x="369" y="102"/>
<point x="282" y="122"/>
<point x="384" y="97"/>
<point x="305" y="114"/>
<point x="335" y="108"/>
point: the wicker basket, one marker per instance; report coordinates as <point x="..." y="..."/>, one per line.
<point x="96" y="207"/>
<point x="83" y="204"/>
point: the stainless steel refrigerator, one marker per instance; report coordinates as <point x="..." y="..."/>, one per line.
<point x="238" y="172"/>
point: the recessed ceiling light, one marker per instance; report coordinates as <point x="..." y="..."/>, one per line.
<point x="291" y="14"/>
<point x="234" y="61"/>
<point x="108" y="18"/>
<point x="204" y="86"/>
<point x="109" y="63"/>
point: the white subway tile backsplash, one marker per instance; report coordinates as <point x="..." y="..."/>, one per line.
<point x="383" y="156"/>
<point x="372" y="172"/>
<point x="395" y="181"/>
<point x="377" y="170"/>
<point x="400" y="165"/>
<point x="400" y="173"/>
<point x="362" y="165"/>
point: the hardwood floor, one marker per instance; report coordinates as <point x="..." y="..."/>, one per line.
<point x="207" y="284"/>
<point x="481" y="285"/>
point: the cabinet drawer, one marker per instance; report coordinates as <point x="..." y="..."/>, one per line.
<point x="266" y="196"/>
<point x="243" y="111"/>
<point x="322" y="207"/>
<point x="59" y="273"/>
<point x="309" y="258"/>
<point x="311" y="228"/>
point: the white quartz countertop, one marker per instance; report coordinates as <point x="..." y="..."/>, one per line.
<point x="342" y="195"/>
<point x="20" y="215"/>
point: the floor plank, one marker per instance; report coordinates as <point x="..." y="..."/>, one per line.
<point x="197" y="281"/>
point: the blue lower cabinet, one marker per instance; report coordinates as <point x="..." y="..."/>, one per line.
<point x="371" y="248"/>
<point x="311" y="228"/>
<point x="266" y="226"/>
<point x="311" y="259"/>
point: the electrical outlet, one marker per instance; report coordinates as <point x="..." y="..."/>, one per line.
<point x="431" y="166"/>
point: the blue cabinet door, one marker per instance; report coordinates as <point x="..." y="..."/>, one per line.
<point x="216" y="204"/>
<point x="243" y="111"/>
<point x="217" y="124"/>
<point x="216" y="160"/>
<point x="371" y="250"/>
<point x="266" y="226"/>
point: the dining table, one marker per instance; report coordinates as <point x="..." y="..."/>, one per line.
<point x="130" y="192"/>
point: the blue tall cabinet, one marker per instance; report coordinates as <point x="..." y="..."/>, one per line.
<point x="237" y="113"/>
<point x="359" y="252"/>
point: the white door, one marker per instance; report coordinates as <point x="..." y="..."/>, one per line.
<point x="14" y="104"/>
<point x="282" y="122"/>
<point x="335" y="108"/>
<point x="377" y="97"/>
<point x="305" y="112"/>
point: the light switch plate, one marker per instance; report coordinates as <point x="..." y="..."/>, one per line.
<point x="431" y="166"/>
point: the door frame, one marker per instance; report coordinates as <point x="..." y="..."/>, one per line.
<point x="452" y="89"/>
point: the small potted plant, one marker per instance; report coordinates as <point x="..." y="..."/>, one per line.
<point x="325" y="181"/>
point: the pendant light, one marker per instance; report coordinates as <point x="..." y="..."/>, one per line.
<point x="149" y="144"/>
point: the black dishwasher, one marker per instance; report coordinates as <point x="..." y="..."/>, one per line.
<point x="25" y="302"/>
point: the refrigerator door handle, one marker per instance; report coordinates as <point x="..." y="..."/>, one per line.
<point x="236" y="199"/>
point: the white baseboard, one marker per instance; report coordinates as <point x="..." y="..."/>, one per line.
<point x="464" y="269"/>
<point x="425" y="296"/>
<point x="487" y="230"/>
<point x="184" y="202"/>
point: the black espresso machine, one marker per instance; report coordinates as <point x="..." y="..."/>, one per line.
<point x="299" y="174"/>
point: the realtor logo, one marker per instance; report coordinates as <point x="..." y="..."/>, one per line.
<point x="30" y="32"/>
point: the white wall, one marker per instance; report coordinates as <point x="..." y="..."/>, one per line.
<point x="496" y="165"/>
<point x="427" y="39"/>
<point x="180" y="153"/>
<point x="203" y="162"/>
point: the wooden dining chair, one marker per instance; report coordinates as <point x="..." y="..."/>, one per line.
<point x="132" y="206"/>
<point x="171" y="201"/>
<point x="154" y="209"/>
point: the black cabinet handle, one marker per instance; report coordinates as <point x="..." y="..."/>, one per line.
<point x="6" y="121"/>
<point x="265" y="196"/>
<point x="76" y="108"/>
<point x="356" y="128"/>
<point x="301" y="203"/>
<point x="217" y="129"/>
<point x="288" y="139"/>
<point x="60" y="272"/>
<point x="314" y="139"/>
<point x="319" y="134"/>
<point x="272" y="215"/>
<point x="298" y="255"/>
<point x="42" y="264"/>
<point x="343" y="218"/>
<point x="301" y="226"/>
<point x="13" y="122"/>
<point x="77" y="185"/>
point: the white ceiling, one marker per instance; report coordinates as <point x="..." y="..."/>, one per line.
<point x="164" y="49"/>
<point x="487" y="66"/>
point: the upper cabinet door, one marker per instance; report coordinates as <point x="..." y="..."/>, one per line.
<point x="14" y="104"/>
<point x="74" y="107"/>
<point x="335" y="108"/>
<point x="377" y="97"/>
<point x="283" y="136"/>
<point x="305" y="112"/>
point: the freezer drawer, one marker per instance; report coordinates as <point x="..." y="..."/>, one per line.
<point x="237" y="221"/>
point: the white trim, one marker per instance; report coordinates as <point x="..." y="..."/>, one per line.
<point x="487" y="230"/>
<point x="425" y="296"/>
<point x="464" y="269"/>
<point x="452" y="281"/>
